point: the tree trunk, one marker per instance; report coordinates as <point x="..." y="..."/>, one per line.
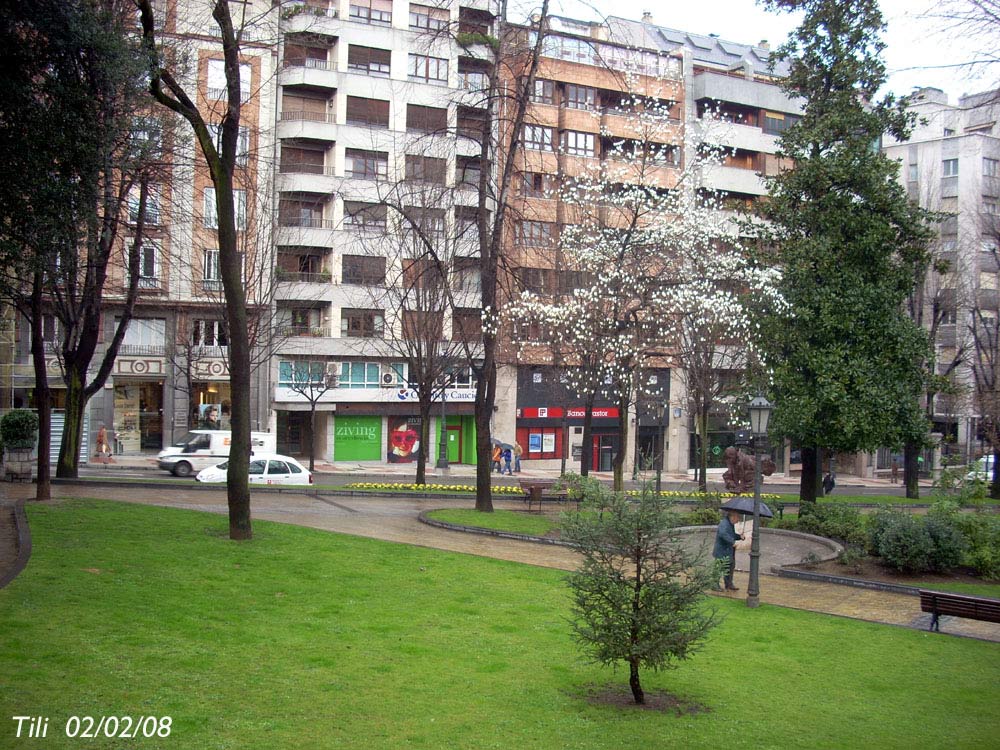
<point x="312" y="436"/>
<point x="703" y="450"/>
<point x="586" y="455"/>
<point x="618" y="464"/>
<point x="43" y="401"/>
<point x="911" y="469"/>
<point x="995" y="479"/>
<point x="633" y="682"/>
<point x="809" y="483"/>
<point x="76" y="404"/>
<point x="485" y="398"/>
<point x="425" y="441"/>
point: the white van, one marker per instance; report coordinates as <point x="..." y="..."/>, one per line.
<point x="981" y="469"/>
<point x="200" y="449"/>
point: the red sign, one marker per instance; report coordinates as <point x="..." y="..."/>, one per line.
<point x="556" y="412"/>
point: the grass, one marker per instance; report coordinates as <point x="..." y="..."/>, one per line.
<point x="305" y="639"/>
<point x="502" y="520"/>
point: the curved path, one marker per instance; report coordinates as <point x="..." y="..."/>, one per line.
<point x="395" y="520"/>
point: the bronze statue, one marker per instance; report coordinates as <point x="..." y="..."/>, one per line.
<point x="739" y="470"/>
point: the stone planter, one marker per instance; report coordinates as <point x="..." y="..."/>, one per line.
<point x="18" y="464"/>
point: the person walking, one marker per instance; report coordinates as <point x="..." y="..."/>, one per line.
<point x="725" y="539"/>
<point x="518" y="450"/>
<point x="895" y="470"/>
<point x="506" y="462"/>
<point x="495" y="466"/>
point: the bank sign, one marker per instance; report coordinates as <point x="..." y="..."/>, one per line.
<point x="450" y="395"/>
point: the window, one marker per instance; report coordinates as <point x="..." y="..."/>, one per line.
<point x="990" y="167"/>
<point x="300" y="106"/>
<point x="211" y="266"/>
<point x="948" y="132"/>
<point x="425" y="17"/>
<point x="299" y="373"/>
<point x="537" y="185"/>
<point x="912" y="173"/>
<point x="543" y="92"/>
<point x="426" y="119"/>
<point x="950" y="167"/>
<point x="211" y="217"/>
<point x="990" y="206"/>
<point x="466" y="276"/>
<point x="360" y="375"/>
<point x="470" y="122"/>
<point x="368" y="60"/>
<point x="152" y="217"/>
<point x="242" y="142"/>
<point x="295" y="213"/>
<point x="426" y="169"/>
<point x="987" y="280"/>
<point x="578" y="144"/>
<point x="145" y="332"/>
<point x="463" y="377"/>
<point x="421" y="274"/>
<point x="366" y="270"/>
<point x="367" y="165"/>
<point x="536" y="233"/>
<point x="469" y="170"/>
<point x="217" y="85"/>
<point x="148" y="266"/>
<point x="302" y="160"/>
<point x="365" y="324"/>
<point x="535" y="280"/>
<point x="364" y="216"/>
<point x="378" y="12"/>
<point x="538" y="137"/>
<point x="430" y="69"/>
<point x="570" y="281"/>
<point x="430" y="222"/>
<point x="368" y="112"/>
<point x="466" y="324"/>
<point x="422" y="325"/>
<point x="776" y="123"/>
<point x="209" y="333"/>
<point x="580" y="97"/>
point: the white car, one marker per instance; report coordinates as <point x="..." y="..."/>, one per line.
<point x="982" y="469"/>
<point x="265" y="468"/>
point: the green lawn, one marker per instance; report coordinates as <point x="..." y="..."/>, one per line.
<point x="503" y="520"/>
<point x="304" y="639"/>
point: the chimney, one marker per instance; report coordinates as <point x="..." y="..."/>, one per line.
<point x="647" y="17"/>
<point x="764" y="44"/>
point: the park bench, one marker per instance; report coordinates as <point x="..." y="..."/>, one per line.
<point x="958" y="605"/>
<point x="541" y="490"/>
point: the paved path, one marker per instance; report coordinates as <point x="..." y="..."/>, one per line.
<point x="395" y="520"/>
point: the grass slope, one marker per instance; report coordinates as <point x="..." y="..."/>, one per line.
<point x="304" y="639"/>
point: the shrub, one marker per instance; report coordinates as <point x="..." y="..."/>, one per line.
<point x="948" y="545"/>
<point x="701" y="517"/>
<point x="19" y="428"/>
<point x="905" y="544"/>
<point x="834" y="521"/>
<point x="877" y="524"/>
<point x="982" y="535"/>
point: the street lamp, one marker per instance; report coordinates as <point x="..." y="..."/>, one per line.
<point x="760" y="414"/>
<point x="442" y="462"/>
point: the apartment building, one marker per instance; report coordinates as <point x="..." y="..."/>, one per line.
<point x="171" y="373"/>
<point x="375" y="102"/>
<point x="577" y="115"/>
<point x="951" y="164"/>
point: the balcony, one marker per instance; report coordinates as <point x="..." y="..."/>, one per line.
<point x="314" y="126"/>
<point x="142" y="350"/>
<point x="755" y="94"/>
<point x="734" y="180"/>
<point x="305" y="178"/>
<point x="309" y="71"/>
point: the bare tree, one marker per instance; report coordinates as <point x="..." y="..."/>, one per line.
<point x="221" y="155"/>
<point x="312" y="379"/>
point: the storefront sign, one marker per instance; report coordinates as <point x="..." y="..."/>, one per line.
<point x="556" y="412"/>
<point x="358" y="438"/>
<point x="404" y="440"/>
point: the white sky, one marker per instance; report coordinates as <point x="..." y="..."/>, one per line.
<point x="916" y="46"/>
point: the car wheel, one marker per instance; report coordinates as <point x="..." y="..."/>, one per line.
<point x="183" y="469"/>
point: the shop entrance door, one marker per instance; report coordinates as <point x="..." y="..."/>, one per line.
<point x="454" y="436"/>
<point x="603" y="452"/>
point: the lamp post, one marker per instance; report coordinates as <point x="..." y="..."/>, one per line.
<point x="442" y="462"/>
<point x="760" y="414"/>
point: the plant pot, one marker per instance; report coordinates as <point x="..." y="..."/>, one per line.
<point x="18" y="464"/>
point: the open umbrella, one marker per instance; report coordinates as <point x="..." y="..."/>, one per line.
<point x="743" y="504"/>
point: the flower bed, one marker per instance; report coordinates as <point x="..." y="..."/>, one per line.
<point x="404" y="487"/>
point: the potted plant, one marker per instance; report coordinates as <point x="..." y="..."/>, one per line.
<point x="19" y="432"/>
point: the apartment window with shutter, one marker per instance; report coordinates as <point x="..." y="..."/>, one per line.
<point x="466" y="272"/>
<point x="301" y="107"/>
<point x="426" y="119"/>
<point x="242" y="142"/>
<point x="367" y="165"/>
<point x="364" y="216"/>
<point x="368" y="60"/>
<point x="427" y="18"/>
<point x="536" y="233"/>
<point x="365" y="324"/>
<point x="428" y="69"/>
<point x="149" y="266"/>
<point x="423" y="325"/>
<point x="426" y="169"/>
<point x="991" y="167"/>
<point x="377" y="12"/>
<point x="209" y="214"/>
<point x="466" y="324"/>
<point x="217" y="84"/>
<point x="368" y="112"/>
<point x="210" y="266"/>
<point x="366" y="270"/>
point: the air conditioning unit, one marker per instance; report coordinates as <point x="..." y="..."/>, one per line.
<point x="390" y="378"/>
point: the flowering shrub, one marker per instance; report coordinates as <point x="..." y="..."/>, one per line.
<point x="404" y="487"/>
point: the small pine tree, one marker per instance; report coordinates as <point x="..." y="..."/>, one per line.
<point x="638" y="595"/>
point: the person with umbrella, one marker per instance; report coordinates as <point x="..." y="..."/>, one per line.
<point x="725" y="539"/>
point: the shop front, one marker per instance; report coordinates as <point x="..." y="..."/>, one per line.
<point x="138" y="421"/>
<point x="544" y="434"/>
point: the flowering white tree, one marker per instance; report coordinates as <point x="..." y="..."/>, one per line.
<point x="660" y="276"/>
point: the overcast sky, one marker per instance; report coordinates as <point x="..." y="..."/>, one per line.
<point x="916" y="45"/>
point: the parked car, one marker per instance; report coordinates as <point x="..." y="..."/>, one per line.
<point x="981" y="468"/>
<point x="200" y="449"/>
<point x="265" y="468"/>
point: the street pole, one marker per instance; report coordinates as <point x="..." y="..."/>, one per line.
<point x="659" y="452"/>
<point x="753" y="587"/>
<point x="442" y="462"/>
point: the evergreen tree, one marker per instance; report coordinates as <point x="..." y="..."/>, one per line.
<point x="845" y="361"/>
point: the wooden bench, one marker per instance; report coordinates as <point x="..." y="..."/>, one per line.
<point x="539" y="491"/>
<point x="958" y="605"/>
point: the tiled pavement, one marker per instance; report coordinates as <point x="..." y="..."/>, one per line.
<point x="395" y="520"/>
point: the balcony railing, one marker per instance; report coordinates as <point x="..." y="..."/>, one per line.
<point x="320" y="277"/>
<point x="309" y="331"/>
<point x="301" y="115"/>
<point x="305" y="168"/>
<point x="142" y="350"/>
<point x="304" y="222"/>
<point x="307" y="9"/>
<point x="312" y="63"/>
